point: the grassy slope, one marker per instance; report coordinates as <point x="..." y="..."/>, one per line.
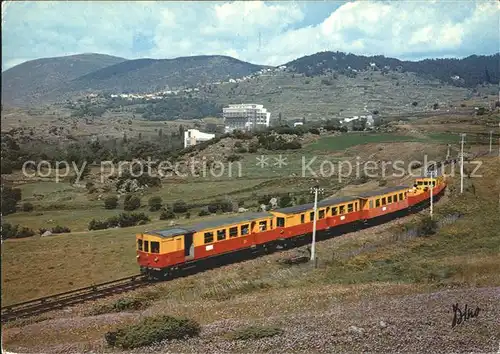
<point x="464" y="254"/>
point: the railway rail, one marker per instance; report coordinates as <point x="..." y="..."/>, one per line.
<point x="72" y="297"/>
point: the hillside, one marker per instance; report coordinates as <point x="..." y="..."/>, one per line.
<point x="32" y="80"/>
<point x="140" y="75"/>
<point x="468" y="72"/>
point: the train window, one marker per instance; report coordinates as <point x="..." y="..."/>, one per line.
<point x="280" y="222"/>
<point x="233" y="232"/>
<point x="389" y="199"/>
<point x="384" y="202"/>
<point x="139" y="245"/>
<point x="420" y="183"/>
<point x="342" y="209"/>
<point x="155" y="247"/>
<point x="311" y="216"/>
<point x="209" y="237"/>
<point x="302" y="218"/>
<point x="350" y="208"/>
<point x="146" y="246"/>
<point x="400" y="196"/>
<point x="356" y="206"/>
<point x="377" y="203"/>
<point x="371" y="204"/>
<point x="262" y="226"/>
<point x="221" y="235"/>
<point x="334" y="211"/>
<point x="245" y="229"/>
<point x="321" y="214"/>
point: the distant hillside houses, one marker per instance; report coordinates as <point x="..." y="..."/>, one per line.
<point x="363" y="121"/>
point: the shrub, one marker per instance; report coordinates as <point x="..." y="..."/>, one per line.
<point x="255" y="332"/>
<point x="232" y="158"/>
<point x="203" y="212"/>
<point x="111" y="202"/>
<point x="123" y="304"/>
<point x="253" y="147"/>
<point x="314" y="131"/>
<point x="155" y="203"/>
<point x="427" y="226"/>
<point x="382" y="183"/>
<point x="60" y="229"/>
<point x="10" y="198"/>
<point x="188" y="215"/>
<point x="126" y="220"/>
<point x="14" y="231"/>
<point x="152" y="330"/>
<point x="97" y="225"/>
<point x="27" y="207"/>
<point x="285" y="201"/>
<point x="131" y="203"/>
<point x="167" y="214"/>
<point x="180" y="206"/>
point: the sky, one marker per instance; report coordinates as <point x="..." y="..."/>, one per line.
<point x="268" y="33"/>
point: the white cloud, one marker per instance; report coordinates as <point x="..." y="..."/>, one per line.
<point x="265" y="33"/>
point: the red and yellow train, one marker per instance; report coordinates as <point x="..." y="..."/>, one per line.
<point x="161" y="252"/>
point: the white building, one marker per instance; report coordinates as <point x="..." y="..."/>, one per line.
<point x="296" y="124"/>
<point x="194" y="136"/>
<point x="245" y="117"/>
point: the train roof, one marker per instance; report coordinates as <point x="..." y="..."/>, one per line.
<point x="208" y="224"/>
<point x="325" y="202"/>
<point x="382" y="191"/>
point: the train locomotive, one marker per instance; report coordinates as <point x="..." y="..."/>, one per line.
<point x="160" y="253"/>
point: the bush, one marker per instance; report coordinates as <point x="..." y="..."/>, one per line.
<point x="255" y="332"/>
<point x="285" y="201"/>
<point x="111" y="202"/>
<point x="152" y="330"/>
<point x="203" y="212"/>
<point x="253" y="147"/>
<point x="97" y="225"/>
<point x="232" y="158"/>
<point x="60" y="229"/>
<point x="314" y="131"/>
<point x="180" y="207"/>
<point x="155" y="203"/>
<point x="427" y="226"/>
<point x="10" y="198"/>
<point x="14" y="231"/>
<point x="188" y="215"/>
<point x="131" y="203"/>
<point x="167" y="214"/>
<point x="27" y="207"/>
<point x="127" y="220"/>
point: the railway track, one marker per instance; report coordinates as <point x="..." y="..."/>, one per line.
<point x="73" y="297"/>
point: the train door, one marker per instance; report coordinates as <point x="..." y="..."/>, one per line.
<point x="188" y="246"/>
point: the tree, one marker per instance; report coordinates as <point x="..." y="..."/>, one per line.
<point x="131" y="202"/>
<point x="10" y="198"/>
<point x="435" y="106"/>
<point x="155" y="203"/>
<point x="285" y="201"/>
<point x="111" y="202"/>
<point x="414" y="104"/>
<point x="27" y="207"/>
<point x="180" y="207"/>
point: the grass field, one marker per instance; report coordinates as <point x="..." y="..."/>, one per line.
<point x="345" y="141"/>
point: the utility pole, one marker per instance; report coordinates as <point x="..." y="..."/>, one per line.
<point x="315" y="190"/>
<point x="432" y="174"/>
<point x="491" y="139"/>
<point x="462" y="163"/>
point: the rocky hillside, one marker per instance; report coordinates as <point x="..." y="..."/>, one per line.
<point x="33" y="80"/>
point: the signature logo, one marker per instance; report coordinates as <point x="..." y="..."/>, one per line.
<point x="460" y="316"/>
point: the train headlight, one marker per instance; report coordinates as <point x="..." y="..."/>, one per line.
<point x="156" y="259"/>
<point x="137" y="256"/>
